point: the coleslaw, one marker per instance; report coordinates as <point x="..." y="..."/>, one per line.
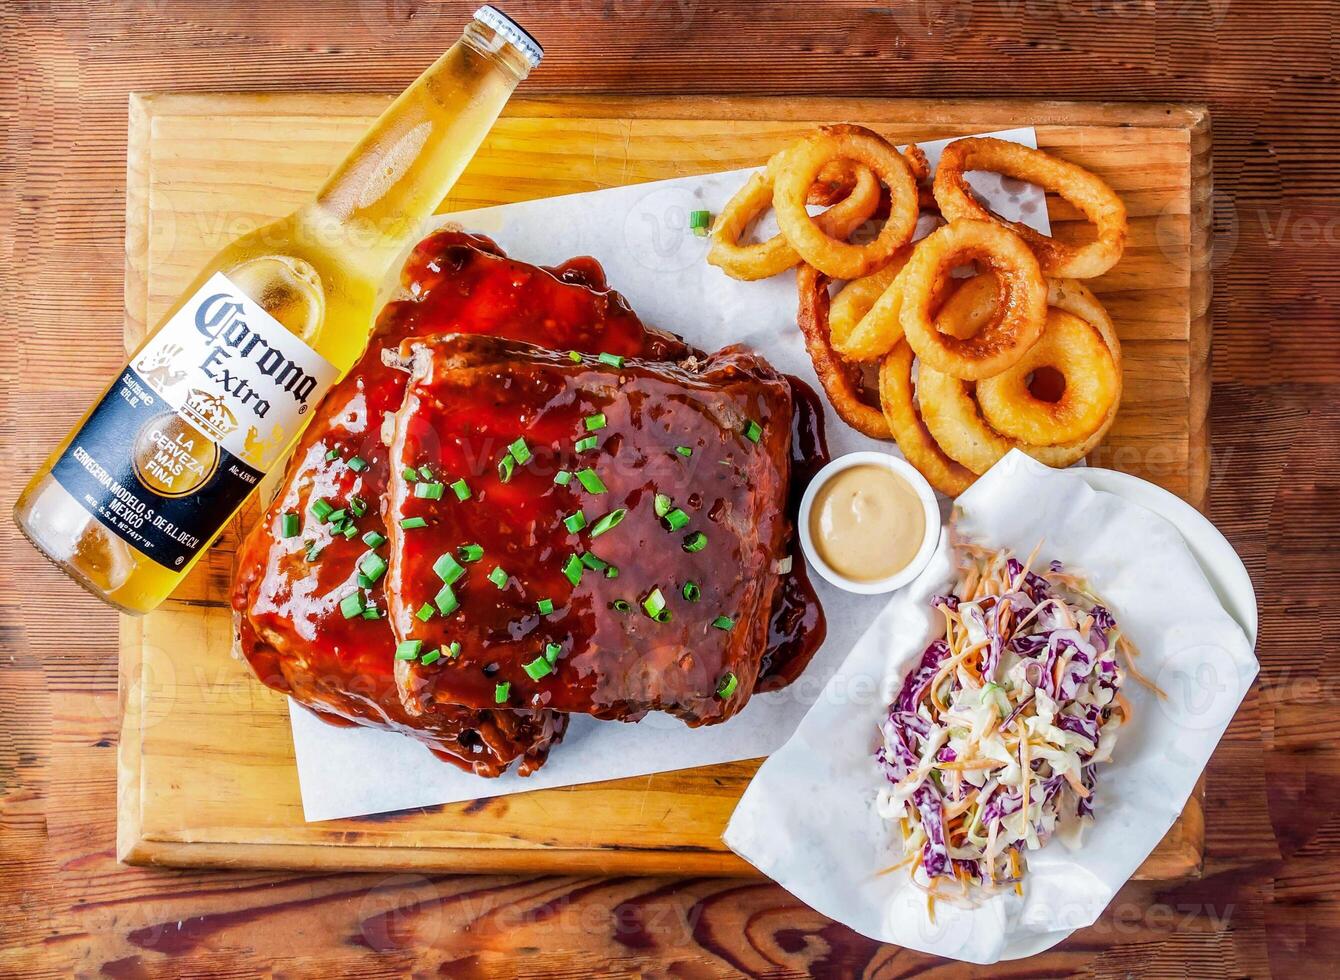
<point x="992" y="744"/>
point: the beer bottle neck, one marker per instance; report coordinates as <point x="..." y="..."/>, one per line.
<point x="376" y="201"/>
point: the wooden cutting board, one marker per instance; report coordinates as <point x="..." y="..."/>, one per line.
<point x="206" y="770"/>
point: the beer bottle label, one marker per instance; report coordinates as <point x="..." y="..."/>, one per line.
<point x="193" y="423"/>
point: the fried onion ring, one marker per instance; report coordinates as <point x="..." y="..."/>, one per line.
<point x="798" y="167"/>
<point x="951" y="415"/>
<point x="918" y="447"/>
<point x="841" y="381"/>
<point x="1072" y="347"/>
<point x="764" y="259"/>
<point x="853" y="302"/>
<point x="865" y="326"/>
<point x="1020" y="314"/>
<point x="1087" y="192"/>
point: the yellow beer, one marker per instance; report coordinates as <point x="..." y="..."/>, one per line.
<point x="223" y="385"/>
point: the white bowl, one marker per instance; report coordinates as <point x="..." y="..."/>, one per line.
<point x="928" y="542"/>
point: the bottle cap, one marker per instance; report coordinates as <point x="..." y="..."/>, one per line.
<point x="512" y="32"/>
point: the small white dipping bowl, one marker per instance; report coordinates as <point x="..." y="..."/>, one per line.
<point x="929" y="507"/>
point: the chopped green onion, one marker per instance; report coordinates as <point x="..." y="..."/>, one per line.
<point x="373" y="565"/>
<point x="357" y="463"/>
<point x="290" y="526"/>
<point x="374" y="539"/>
<point x="546" y="606"/>
<point x="470" y="552"/>
<point x="539" y="667"/>
<point x="729" y="682"/>
<point x="498" y="577"/>
<point x="723" y="623"/>
<point x="676" y="519"/>
<point x="358" y="506"/>
<point x="505" y="467"/>
<point x="461" y="489"/>
<point x="594" y="562"/>
<point x="572" y="568"/>
<point x="425" y="472"/>
<point x="321" y="509"/>
<point x="753" y="431"/>
<point x="586" y="444"/>
<point x="520" y="451"/>
<point x="609" y="521"/>
<point x="612" y="572"/>
<point x="430" y="658"/>
<point x="446" y="600"/>
<point x="562" y="478"/>
<point x="349" y="530"/>
<point x="454" y="649"/>
<point x="575" y="522"/>
<point x="371" y="613"/>
<point x="590" y="479"/>
<point x="613" y="360"/>
<point x="661" y="504"/>
<point x="552" y="651"/>
<point x="448" y="569"/>
<point x="696" y="541"/>
<point x="334" y="454"/>
<point x="700" y="221"/>
<point x="692" y="592"/>
<point x="364" y="582"/>
<point x="410" y="473"/>
<point x="336" y="516"/>
<point x="501" y="692"/>
<point x="408" y="650"/>
<point x="425" y="612"/>
<point x="654" y="604"/>
<point x="410" y="523"/>
<point x="685" y="451"/>
<point x="313" y="551"/>
<point x="595" y="422"/>
<point x="574" y="357"/>
<point x="428" y="491"/>
<point x="621" y="605"/>
<point x="352" y="605"/>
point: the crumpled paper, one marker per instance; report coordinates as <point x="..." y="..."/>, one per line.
<point x="808" y="819"/>
<point x="640" y="234"/>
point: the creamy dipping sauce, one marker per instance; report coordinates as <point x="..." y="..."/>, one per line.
<point x="867" y="523"/>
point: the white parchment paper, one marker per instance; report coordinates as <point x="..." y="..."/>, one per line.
<point x="808" y="818"/>
<point x="639" y="233"/>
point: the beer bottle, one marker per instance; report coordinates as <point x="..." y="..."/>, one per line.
<point x="221" y="388"/>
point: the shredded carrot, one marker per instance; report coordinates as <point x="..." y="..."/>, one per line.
<point x="1023" y="572"/>
<point x="1076" y="785"/>
<point x="1014" y="871"/>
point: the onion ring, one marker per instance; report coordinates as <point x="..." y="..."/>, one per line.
<point x="1090" y="194"/>
<point x="798" y="167"/>
<point x="951" y="415"/>
<point x="918" y="447"/>
<point x="1021" y="312"/>
<point x="762" y="260"/>
<point x="851" y="305"/>
<point x="1075" y="349"/>
<point x="841" y="381"/>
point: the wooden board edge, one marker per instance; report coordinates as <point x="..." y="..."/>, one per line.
<point x="129" y="790"/>
<point x="1180" y="860"/>
<point x="1200" y="329"/>
<point x="1161" y="115"/>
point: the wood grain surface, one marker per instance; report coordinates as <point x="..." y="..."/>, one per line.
<point x="1266" y="903"/>
<point x="207" y="776"/>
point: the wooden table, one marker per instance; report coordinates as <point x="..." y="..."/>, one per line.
<point x="1266" y="903"/>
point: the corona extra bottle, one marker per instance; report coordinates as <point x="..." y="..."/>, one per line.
<point x="221" y="388"/>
